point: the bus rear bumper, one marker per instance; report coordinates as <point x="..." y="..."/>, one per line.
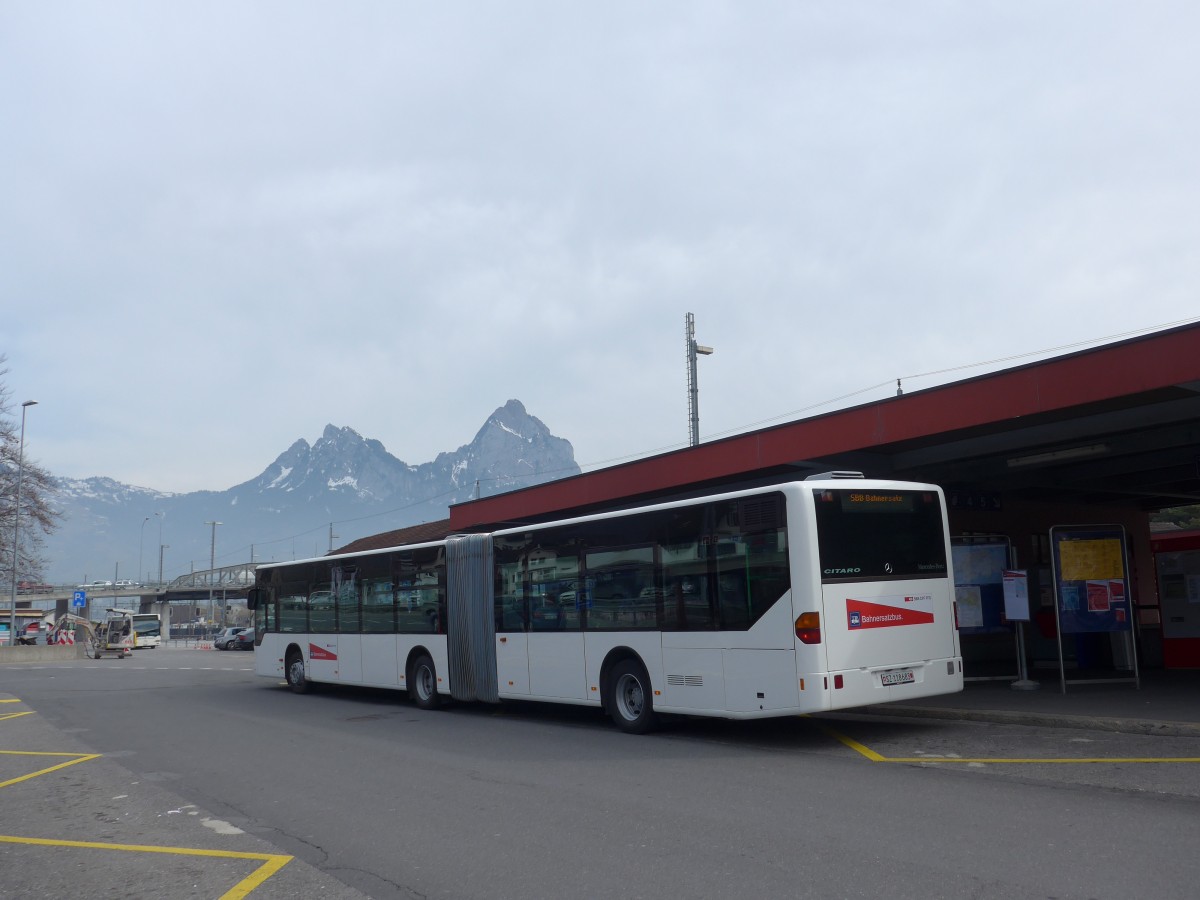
<point x="893" y="684"/>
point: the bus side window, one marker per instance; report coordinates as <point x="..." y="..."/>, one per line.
<point x="293" y="608"/>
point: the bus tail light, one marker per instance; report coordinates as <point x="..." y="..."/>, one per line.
<point x="808" y="628"/>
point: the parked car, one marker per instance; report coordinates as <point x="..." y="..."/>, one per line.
<point x="224" y="639"/>
<point x="243" y="640"/>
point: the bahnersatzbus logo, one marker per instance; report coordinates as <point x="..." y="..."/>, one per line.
<point x="881" y="613"/>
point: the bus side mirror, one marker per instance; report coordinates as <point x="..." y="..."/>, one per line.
<point x="253" y="596"/>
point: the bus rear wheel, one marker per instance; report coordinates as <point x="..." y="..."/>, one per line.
<point x="630" y="701"/>
<point x="294" y="670"/>
<point x="422" y="682"/>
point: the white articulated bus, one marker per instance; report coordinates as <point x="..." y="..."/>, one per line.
<point x="824" y="594"/>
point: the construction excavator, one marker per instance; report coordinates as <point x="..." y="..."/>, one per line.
<point x="112" y="637"/>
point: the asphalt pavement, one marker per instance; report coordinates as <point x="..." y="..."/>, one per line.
<point x="1159" y="702"/>
<point x="75" y="823"/>
<point x="128" y="837"/>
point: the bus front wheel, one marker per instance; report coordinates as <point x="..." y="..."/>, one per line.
<point x="630" y="702"/>
<point x="422" y="682"/>
<point x="294" y="670"/>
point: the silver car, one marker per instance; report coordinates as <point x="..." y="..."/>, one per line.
<point x="225" y="638"/>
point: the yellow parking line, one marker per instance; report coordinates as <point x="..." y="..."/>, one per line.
<point x="272" y="863"/>
<point x="854" y="745"/>
<point x="1047" y="759"/>
<point x="75" y="758"/>
<point x="14" y="715"/>
<point x="1084" y="760"/>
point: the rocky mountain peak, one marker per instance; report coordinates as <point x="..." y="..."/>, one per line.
<point x="287" y="510"/>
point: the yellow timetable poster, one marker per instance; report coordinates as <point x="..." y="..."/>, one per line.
<point x="1091" y="560"/>
<point x="1091" y="581"/>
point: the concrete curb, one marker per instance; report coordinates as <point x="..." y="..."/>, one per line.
<point x="1044" y="720"/>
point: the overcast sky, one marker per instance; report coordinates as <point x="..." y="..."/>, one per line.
<point x="224" y="225"/>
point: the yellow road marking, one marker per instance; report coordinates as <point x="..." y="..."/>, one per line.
<point x="1085" y="760"/>
<point x="854" y="745"/>
<point x="16" y="715"/>
<point x="272" y="863"/>
<point x="1047" y="759"/>
<point x="74" y="758"/>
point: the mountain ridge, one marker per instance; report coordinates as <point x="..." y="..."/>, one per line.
<point x="343" y="481"/>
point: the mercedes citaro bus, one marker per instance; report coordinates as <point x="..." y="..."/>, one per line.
<point x="815" y="595"/>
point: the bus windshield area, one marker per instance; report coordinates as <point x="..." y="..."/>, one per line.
<point x="147" y="628"/>
<point x="877" y="534"/>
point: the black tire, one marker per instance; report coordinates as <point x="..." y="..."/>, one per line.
<point x="422" y="683"/>
<point x="297" y="678"/>
<point x="630" y="698"/>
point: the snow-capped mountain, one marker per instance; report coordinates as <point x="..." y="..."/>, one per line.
<point x="286" y="512"/>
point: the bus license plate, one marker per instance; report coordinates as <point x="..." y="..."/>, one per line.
<point x="904" y="676"/>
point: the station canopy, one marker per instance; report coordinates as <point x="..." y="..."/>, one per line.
<point x="1116" y="425"/>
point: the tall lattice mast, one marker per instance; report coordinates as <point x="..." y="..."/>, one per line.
<point x="689" y="334"/>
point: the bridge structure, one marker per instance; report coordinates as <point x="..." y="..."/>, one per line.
<point x="231" y="581"/>
<point x="207" y="594"/>
<point x="203" y="594"/>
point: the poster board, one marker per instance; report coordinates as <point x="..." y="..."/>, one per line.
<point x="1089" y="565"/>
<point x="979" y="586"/>
<point x="1016" y="595"/>
<point x="1091" y="579"/>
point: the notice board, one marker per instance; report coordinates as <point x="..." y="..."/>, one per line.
<point x="1091" y="578"/>
<point x="979" y="586"/>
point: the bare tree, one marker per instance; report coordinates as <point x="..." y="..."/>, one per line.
<point x="39" y="517"/>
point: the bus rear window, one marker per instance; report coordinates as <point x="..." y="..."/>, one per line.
<point x="871" y="534"/>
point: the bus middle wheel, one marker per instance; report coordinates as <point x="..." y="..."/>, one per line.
<point x="630" y="699"/>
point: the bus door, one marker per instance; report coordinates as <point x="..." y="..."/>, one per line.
<point x="512" y="615"/>
<point x="346" y="589"/>
<point x="323" y="642"/>
<point x="512" y="646"/>
<point x="539" y="610"/>
<point x="512" y="662"/>
<point x="556" y="656"/>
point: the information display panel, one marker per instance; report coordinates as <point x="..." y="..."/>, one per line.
<point x="1091" y="579"/>
<point x="1092" y="589"/>
<point x="979" y="587"/>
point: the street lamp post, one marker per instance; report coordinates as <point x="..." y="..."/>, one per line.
<point x="12" y="607"/>
<point x="161" y="548"/>
<point x="212" y="565"/>
<point x="159" y="516"/>
<point x="141" y="545"/>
